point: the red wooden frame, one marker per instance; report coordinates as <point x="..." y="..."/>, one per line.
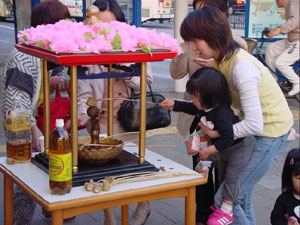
<point x="100" y="59"/>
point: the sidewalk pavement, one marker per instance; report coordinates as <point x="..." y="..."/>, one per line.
<point x="171" y="211"/>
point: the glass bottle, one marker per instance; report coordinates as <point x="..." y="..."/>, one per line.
<point x="60" y="160"/>
<point x="18" y="133"/>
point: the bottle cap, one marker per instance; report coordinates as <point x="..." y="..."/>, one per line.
<point x="59" y="123"/>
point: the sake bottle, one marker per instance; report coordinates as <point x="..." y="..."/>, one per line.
<point x="60" y="160"/>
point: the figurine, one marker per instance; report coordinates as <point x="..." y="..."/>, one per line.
<point x="94" y="113"/>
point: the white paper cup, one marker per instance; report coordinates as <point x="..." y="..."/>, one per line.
<point x="41" y="139"/>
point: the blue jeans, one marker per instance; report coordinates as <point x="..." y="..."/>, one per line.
<point x="266" y="152"/>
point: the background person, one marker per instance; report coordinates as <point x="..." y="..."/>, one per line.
<point x="181" y="65"/>
<point x="27" y="70"/>
<point x="286" y="210"/>
<point x="284" y="53"/>
<point x="264" y="111"/>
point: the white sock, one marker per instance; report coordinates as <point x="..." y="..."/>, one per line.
<point x="226" y="208"/>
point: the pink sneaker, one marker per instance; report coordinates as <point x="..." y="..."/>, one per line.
<point x="219" y="217"/>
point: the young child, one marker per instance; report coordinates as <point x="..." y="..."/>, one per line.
<point x="287" y="207"/>
<point x="211" y="99"/>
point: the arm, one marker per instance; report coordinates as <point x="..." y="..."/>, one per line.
<point x="186" y="107"/>
<point x="19" y="82"/>
<point x="293" y="21"/>
<point x="240" y="41"/>
<point x="246" y="78"/>
<point x="223" y="124"/>
<point x="277" y="215"/>
<point x="179" y="66"/>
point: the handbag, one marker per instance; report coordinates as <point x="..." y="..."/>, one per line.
<point x="59" y="109"/>
<point x="156" y="116"/>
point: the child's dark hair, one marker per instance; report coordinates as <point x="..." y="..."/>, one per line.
<point x="210" y="86"/>
<point x="112" y="6"/>
<point x="290" y="168"/>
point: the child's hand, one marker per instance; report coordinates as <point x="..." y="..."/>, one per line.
<point x="209" y="132"/>
<point x="188" y="144"/>
<point x="291" y="220"/>
<point x="167" y="104"/>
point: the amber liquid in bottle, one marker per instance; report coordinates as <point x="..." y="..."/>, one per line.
<point x="60" y="161"/>
<point x="20" y="152"/>
<point x="18" y="133"/>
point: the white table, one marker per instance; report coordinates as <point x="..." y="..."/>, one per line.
<point x="35" y="182"/>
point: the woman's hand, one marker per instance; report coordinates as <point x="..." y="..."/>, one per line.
<point x="205" y="152"/>
<point x="81" y="121"/>
<point x="168" y="104"/>
<point x="60" y="83"/>
<point x="203" y="62"/>
<point x="209" y="132"/>
<point x="36" y="133"/>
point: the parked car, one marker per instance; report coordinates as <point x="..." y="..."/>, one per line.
<point x="236" y="6"/>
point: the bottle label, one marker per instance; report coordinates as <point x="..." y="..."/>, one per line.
<point x="60" y="167"/>
<point x="16" y="121"/>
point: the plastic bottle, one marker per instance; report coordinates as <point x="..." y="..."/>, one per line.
<point x="18" y="134"/>
<point x="60" y="160"/>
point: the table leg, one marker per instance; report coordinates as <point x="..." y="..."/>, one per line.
<point x="8" y="200"/>
<point x="125" y="216"/>
<point x="190" y="207"/>
<point x="57" y="218"/>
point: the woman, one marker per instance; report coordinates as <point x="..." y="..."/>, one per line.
<point x="27" y="70"/>
<point x="109" y="11"/>
<point x="180" y="66"/>
<point x="264" y="111"/>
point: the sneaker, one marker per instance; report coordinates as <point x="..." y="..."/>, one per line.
<point x="219" y="217"/>
<point x="140" y="215"/>
<point x="295" y="90"/>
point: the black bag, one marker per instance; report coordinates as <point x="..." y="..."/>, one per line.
<point x="156" y="116"/>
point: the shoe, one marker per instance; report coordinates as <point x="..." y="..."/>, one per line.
<point x="295" y="90"/>
<point x="140" y="215"/>
<point x="219" y="217"/>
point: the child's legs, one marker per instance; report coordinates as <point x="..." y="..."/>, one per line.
<point x="237" y="158"/>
